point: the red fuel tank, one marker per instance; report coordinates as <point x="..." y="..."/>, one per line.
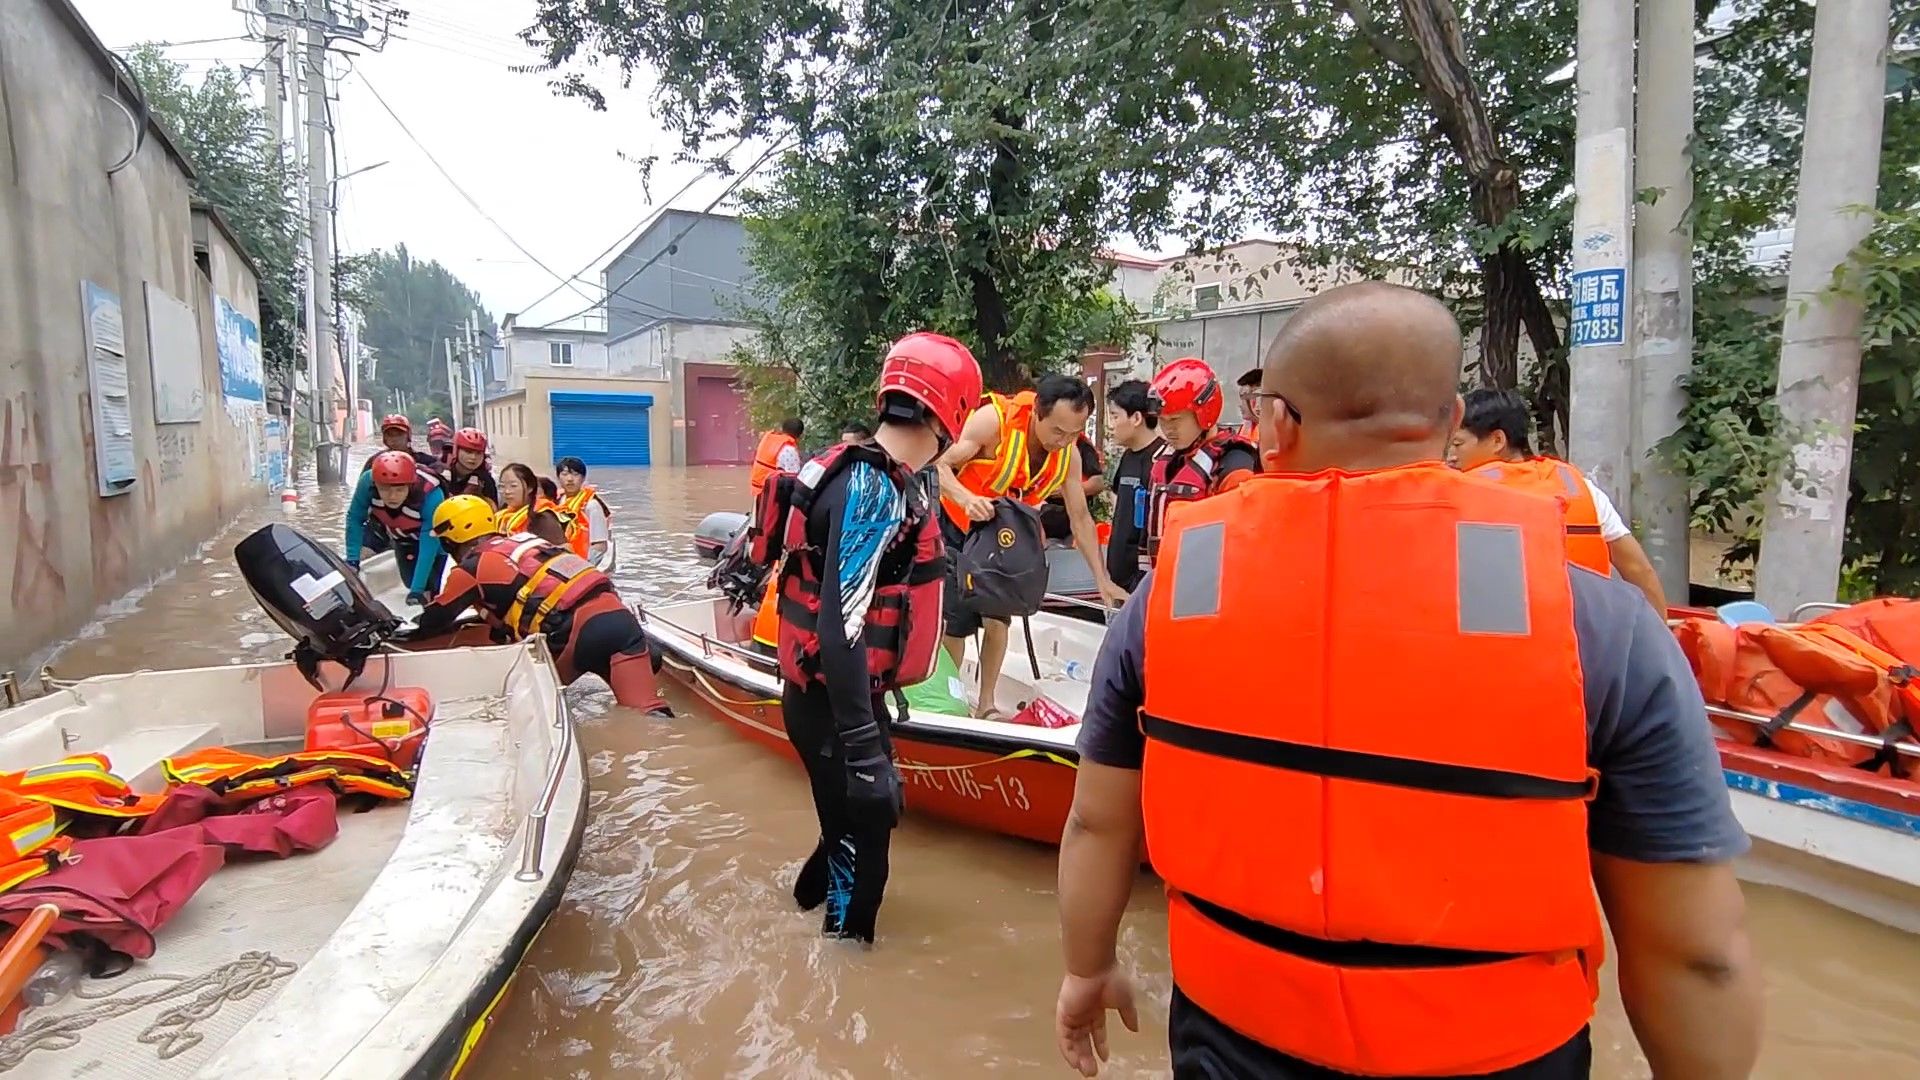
<point x="391" y="724"/>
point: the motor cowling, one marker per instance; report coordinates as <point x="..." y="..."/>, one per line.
<point x="716" y="531"/>
<point x="312" y="593"/>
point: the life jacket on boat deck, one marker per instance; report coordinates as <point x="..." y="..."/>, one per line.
<point x="575" y="517"/>
<point x="1186" y="475"/>
<point x="30" y="840"/>
<point x="1011" y="471"/>
<point x="766" y="458"/>
<point x="1816" y="675"/>
<point x="238" y="774"/>
<point x="1389" y="930"/>
<point x="902" y="627"/>
<point x="403" y="522"/>
<point x="526" y="583"/>
<point x="83" y="784"/>
<point x="1551" y="476"/>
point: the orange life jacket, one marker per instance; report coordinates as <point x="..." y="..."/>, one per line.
<point x="1390" y="928"/>
<point x="83" y="784"/>
<point x="30" y="840"/>
<point x="1550" y="476"/>
<point x="1010" y="471"/>
<point x="513" y="521"/>
<point x="766" y="458"/>
<point x="766" y="620"/>
<point x="543" y="579"/>
<point x="236" y="773"/>
<point x="574" y="513"/>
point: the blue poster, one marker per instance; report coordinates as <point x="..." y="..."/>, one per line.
<point x="1598" y="301"/>
<point x="276" y="432"/>
<point x="237" y="339"/>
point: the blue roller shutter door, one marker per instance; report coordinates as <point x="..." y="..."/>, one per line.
<point x="602" y="429"/>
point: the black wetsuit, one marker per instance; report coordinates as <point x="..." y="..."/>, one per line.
<point x="839" y="729"/>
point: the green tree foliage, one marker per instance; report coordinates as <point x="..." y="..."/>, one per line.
<point x="238" y="168"/>
<point x="410" y="306"/>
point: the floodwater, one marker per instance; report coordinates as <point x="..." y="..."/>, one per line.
<point x="677" y="952"/>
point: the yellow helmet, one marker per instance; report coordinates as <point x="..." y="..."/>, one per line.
<point x="463" y="518"/>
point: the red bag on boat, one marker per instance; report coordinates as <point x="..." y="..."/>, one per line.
<point x="118" y="890"/>
<point x="297" y="819"/>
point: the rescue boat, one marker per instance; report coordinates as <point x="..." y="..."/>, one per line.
<point x="384" y="953"/>
<point x="1014" y="778"/>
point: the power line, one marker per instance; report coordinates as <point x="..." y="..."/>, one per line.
<point x="643" y="223"/>
<point x="614" y="292"/>
<point x="178" y="44"/>
<point x="455" y="184"/>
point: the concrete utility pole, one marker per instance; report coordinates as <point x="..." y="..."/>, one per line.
<point x="471" y="355"/>
<point x="1662" y="283"/>
<point x="1600" y="416"/>
<point x="1800" y="545"/>
<point x="273" y="74"/>
<point x="329" y="453"/>
<point x="453" y="385"/>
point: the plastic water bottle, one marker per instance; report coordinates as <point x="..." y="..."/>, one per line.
<point x="54" y="979"/>
<point x="1077" y="671"/>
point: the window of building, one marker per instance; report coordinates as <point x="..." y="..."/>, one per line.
<point x="560" y="353"/>
<point x="1206" y="297"/>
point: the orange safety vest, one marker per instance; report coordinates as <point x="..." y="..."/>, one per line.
<point x="766" y="458"/>
<point x="1011" y="472"/>
<point x="83" y="784"/>
<point x="1429" y="909"/>
<point x="579" y="529"/>
<point x="1550" y="476"/>
<point x="766" y="620"/>
<point x="513" y="521"/>
<point x="236" y="773"/>
<point x="30" y="840"/>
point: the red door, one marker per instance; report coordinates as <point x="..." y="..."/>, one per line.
<point x="720" y="435"/>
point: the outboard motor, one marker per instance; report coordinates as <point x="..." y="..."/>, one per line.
<point x="315" y="597"/>
<point x="736" y="576"/>
<point x="716" y="532"/>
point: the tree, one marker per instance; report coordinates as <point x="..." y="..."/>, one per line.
<point x="956" y="167"/>
<point x="410" y="306"/>
<point x="239" y="169"/>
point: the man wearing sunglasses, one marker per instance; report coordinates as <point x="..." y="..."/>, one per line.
<point x="1384" y="744"/>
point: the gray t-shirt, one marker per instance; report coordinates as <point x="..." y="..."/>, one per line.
<point x="1662" y="796"/>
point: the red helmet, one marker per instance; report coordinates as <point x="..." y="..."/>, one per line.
<point x="437" y="424"/>
<point x="937" y="372"/>
<point x="468" y="438"/>
<point x="1188" y="385"/>
<point x="396" y="421"/>
<point x="394" y="467"/>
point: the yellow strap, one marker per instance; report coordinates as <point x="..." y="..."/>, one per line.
<point x="546" y="607"/>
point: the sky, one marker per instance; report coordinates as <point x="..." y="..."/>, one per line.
<point x="550" y="170"/>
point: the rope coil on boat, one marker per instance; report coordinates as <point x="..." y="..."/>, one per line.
<point x="716" y="697"/>
<point x="173" y="1032"/>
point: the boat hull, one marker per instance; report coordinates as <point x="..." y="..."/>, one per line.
<point x="997" y="784"/>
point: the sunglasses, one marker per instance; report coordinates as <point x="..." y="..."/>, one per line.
<point x="1266" y="395"/>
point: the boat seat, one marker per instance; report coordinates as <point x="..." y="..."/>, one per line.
<point x="1741" y="612"/>
<point x="136" y="754"/>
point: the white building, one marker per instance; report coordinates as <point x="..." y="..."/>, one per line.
<point x="565" y="351"/>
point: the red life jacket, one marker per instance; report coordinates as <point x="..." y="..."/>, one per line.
<point x="1184" y="476"/>
<point x="902" y="628"/>
<point x="545" y="580"/>
<point x="404" y="520"/>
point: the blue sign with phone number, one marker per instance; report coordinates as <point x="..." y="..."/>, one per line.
<point x="1599" y="307"/>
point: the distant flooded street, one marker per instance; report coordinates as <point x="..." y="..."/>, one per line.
<point x="678" y="953"/>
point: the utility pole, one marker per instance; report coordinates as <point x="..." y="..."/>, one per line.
<point x="453" y="385"/>
<point x="274" y="74"/>
<point x="1806" y="522"/>
<point x="1662" y="284"/>
<point x="471" y="354"/>
<point x="328" y="469"/>
<point x="1600" y="416"/>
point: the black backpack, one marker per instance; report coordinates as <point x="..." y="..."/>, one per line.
<point x="1003" y="563"/>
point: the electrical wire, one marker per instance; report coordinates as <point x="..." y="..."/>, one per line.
<point x="179" y="44"/>
<point x="674" y="242"/>
<point x="455" y="184"/>
<point x="644" y="223"/>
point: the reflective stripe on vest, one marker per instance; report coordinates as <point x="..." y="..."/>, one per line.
<point x="83" y="783"/>
<point x="237" y="773"/>
<point x="25" y="828"/>
<point x="19" y="871"/>
<point x="1552" y="477"/>
<point x="1010" y="471"/>
<point x="1389" y="928"/>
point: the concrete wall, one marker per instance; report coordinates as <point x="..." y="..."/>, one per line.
<point x="65" y="549"/>
<point x="529" y="352"/>
<point x="699" y="279"/>
<point x="520" y="422"/>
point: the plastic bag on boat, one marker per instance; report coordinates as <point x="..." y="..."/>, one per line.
<point x="940" y="692"/>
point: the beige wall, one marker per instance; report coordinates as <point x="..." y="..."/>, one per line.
<point x="520" y="423"/>
<point x="65" y="549"/>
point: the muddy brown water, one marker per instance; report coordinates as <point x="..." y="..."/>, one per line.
<point x="677" y="952"/>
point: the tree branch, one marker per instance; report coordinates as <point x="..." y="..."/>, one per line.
<point x="1392" y="49"/>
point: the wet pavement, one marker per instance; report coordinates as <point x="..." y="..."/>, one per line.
<point x="677" y="952"/>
